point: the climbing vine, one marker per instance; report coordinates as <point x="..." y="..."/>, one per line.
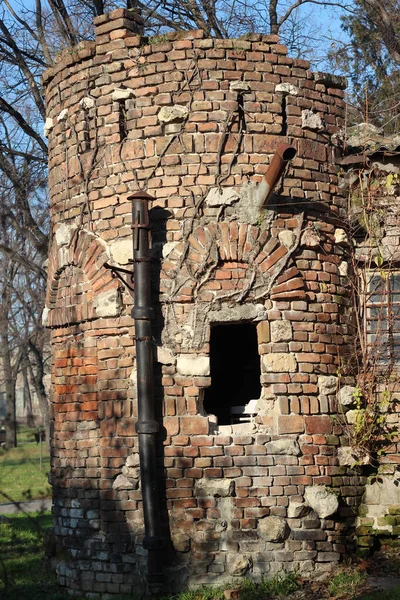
<point x="374" y="362"/>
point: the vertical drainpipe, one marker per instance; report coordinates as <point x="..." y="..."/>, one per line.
<point x="147" y="426"/>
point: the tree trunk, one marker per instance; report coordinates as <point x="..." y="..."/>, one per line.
<point x="30" y="419"/>
<point x="37" y="379"/>
<point x="9" y="384"/>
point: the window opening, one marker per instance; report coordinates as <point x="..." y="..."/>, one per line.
<point x="123" y="130"/>
<point x="235" y="373"/>
<point x="84" y="136"/>
<point x="383" y="318"/>
<point x="284" y="116"/>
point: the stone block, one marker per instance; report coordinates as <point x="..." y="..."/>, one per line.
<point x="240" y="566"/>
<point x="221" y="197"/>
<point x="64" y="233"/>
<point x="239" y="86"/>
<point x="287" y="89"/>
<point x="273" y="529"/>
<point x="48" y="126"/>
<point x="341" y="237"/>
<point x="297" y="510"/>
<point x="170" y="114"/>
<point x="122" y="251"/>
<point x="122" y="94"/>
<point x="181" y="542"/>
<point x="283" y="447"/>
<point x="123" y="483"/>
<point x="322" y="500"/>
<point x="345" y="395"/>
<point x="327" y="384"/>
<point x="287" y="238"/>
<point x="279" y="362"/>
<point x="108" y="304"/>
<point x="193" y="365"/>
<point x="164" y="356"/>
<point x="214" y="488"/>
<point x="281" y="331"/>
<point x="311" y="120"/>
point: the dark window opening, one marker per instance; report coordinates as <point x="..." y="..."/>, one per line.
<point x="123" y="131"/>
<point x="235" y="373"/>
<point x="284" y="116"/>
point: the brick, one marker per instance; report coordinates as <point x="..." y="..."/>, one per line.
<point x="291" y="424"/>
<point x="318" y="425"/>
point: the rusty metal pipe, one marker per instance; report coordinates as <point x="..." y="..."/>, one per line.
<point x="147" y="426"/>
<point x="283" y="154"/>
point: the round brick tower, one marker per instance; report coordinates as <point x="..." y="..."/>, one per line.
<point x="250" y="306"/>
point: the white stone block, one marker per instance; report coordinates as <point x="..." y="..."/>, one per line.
<point x="87" y="103"/>
<point x="108" y="304"/>
<point x="120" y="94"/>
<point x="168" y="114"/>
<point x="164" y="356"/>
<point x="327" y="384"/>
<point x="322" y="500"/>
<point x="279" y="362"/>
<point x="63" y="115"/>
<point x="213" y="488"/>
<point x="223" y="197"/>
<point x="281" y="331"/>
<point x="64" y="233"/>
<point x="287" y="238"/>
<point x="193" y="365"/>
<point x="273" y="529"/>
<point x="122" y="251"/>
<point x="287" y="89"/>
<point x="48" y="126"/>
<point x="283" y="447"/>
<point x="311" y="120"/>
<point x="239" y="86"/>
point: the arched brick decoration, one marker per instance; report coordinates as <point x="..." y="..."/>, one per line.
<point x="77" y="275"/>
<point x="221" y="253"/>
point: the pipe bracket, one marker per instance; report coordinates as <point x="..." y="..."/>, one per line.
<point x="142" y="312"/>
<point x="147" y="427"/>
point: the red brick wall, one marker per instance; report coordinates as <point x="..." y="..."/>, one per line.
<point x="214" y="262"/>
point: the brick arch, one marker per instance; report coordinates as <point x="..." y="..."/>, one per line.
<point x="77" y="275"/>
<point x="236" y="248"/>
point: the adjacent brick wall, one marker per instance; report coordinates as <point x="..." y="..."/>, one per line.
<point x="195" y="122"/>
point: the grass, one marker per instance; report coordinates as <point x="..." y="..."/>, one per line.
<point x="21" y="575"/>
<point x="20" y="474"/>
<point x="346" y="581"/>
<point x="276" y="587"/>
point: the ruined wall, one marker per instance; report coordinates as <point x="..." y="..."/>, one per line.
<point x="195" y="122"/>
<point x="371" y="178"/>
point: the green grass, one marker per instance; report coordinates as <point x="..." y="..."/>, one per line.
<point x="346" y="581"/>
<point x="21" y="574"/>
<point x="279" y="585"/>
<point x="276" y="587"/>
<point x="20" y="474"/>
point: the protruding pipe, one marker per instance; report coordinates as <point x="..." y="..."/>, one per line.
<point x="283" y="154"/>
<point x="147" y="425"/>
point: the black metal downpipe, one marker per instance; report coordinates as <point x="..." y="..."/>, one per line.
<point x="147" y="426"/>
